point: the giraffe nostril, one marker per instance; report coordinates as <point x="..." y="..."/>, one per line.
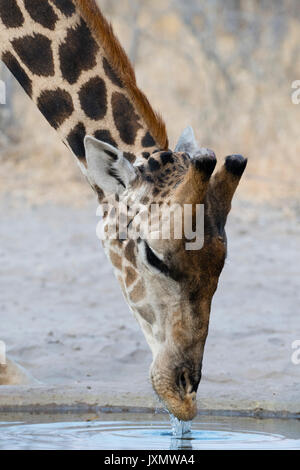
<point x="188" y="382"/>
<point x="183" y="381"/>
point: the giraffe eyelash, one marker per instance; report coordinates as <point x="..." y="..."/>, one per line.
<point x="156" y="262"/>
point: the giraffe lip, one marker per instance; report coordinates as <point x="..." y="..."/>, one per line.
<point x="183" y="408"/>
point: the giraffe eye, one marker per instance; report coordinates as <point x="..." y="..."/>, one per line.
<point x="155" y="262"/>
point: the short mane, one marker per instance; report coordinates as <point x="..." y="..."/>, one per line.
<point x="123" y="68"/>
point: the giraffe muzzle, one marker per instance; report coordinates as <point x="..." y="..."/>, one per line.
<point x="177" y="389"/>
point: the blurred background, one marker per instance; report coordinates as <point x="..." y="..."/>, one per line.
<point x="226" y="68"/>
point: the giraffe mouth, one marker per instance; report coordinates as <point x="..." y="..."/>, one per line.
<point x="182" y="405"/>
<point x="186" y="410"/>
<point x="183" y="409"/>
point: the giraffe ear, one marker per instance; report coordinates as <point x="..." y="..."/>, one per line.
<point x="107" y="167"/>
<point x="187" y="142"/>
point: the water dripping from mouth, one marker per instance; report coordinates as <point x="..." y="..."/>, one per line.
<point x="180" y="428"/>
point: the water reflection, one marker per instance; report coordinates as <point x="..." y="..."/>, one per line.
<point x="138" y="433"/>
<point x="181" y="443"/>
<point x="182" y="436"/>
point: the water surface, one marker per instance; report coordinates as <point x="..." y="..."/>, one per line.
<point x="143" y="431"/>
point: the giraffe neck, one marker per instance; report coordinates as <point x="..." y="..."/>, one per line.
<point x="67" y="59"/>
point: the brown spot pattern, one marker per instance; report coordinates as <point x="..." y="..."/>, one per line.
<point x="65" y="6"/>
<point x="148" y="141"/>
<point x="93" y="98"/>
<point x="100" y="193"/>
<point x="125" y="117"/>
<point x="153" y="164"/>
<point x="129" y="156"/>
<point x="75" y="140"/>
<point x="36" y="53"/>
<point x="115" y="259"/>
<point x="56" y="106"/>
<point x="138" y="292"/>
<point x="41" y="12"/>
<point x="105" y="136"/>
<point x="18" y="72"/>
<point x="129" y="252"/>
<point x="77" y="53"/>
<point x="111" y="74"/>
<point x="130" y="276"/>
<point x="11" y="14"/>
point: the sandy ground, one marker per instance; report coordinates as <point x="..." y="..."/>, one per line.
<point x="64" y="319"/>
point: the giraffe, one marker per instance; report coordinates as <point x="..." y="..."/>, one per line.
<point x="67" y="59"/>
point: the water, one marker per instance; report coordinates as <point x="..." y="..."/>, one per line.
<point x="148" y="432"/>
<point x="180" y="428"/>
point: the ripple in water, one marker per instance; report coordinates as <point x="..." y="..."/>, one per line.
<point x="134" y="435"/>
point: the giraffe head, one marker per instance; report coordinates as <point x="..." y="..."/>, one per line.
<point x="168" y="287"/>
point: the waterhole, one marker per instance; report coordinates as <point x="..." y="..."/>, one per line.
<point x="143" y="431"/>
